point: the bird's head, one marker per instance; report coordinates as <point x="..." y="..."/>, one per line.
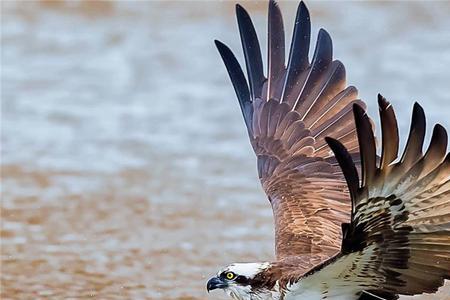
<point x="239" y="280"/>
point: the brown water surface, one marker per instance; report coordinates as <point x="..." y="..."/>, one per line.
<point x="126" y="170"/>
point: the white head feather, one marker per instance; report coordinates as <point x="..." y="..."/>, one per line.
<point x="240" y="291"/>
<point x="248" y="270"/>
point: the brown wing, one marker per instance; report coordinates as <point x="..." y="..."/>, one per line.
<point x="398" y="241"/>
<point x="288" y="114"/>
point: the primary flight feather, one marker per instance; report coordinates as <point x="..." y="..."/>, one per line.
<point x="336" y="236"/>
<point x="307" y="102"/>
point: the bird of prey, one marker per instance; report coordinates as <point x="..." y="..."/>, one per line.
<point x="349" y="224"/>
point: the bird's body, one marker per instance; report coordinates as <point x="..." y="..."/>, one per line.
<point x="315" y="287"/>
<point x="268" y="283"/>
<point x="349" y="224"/>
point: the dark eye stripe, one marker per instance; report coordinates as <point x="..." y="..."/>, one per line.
<point x="238" y="278"/>
<point x="242" y="280"/>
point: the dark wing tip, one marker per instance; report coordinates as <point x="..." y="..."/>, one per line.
<point x="325" y="38"/>
<point x="333" y="143"/>
<point x="276" y="50"/>
<point x="358" y="110"/>
<point x="383" y="104"/>
<point x="252" y="52"/>
<point x="389" y="129"/>
<point x="439" y="137"/>
<point x="324" y="31"/>
<point x="366" y="141"/>
<point x="440" y="131"/>
<point x="336" y="146"/>
<point x="418" y="114"/>
<point x="237" y="78"/>
<point x="347" y="165"/>
<point x="274" y="9"/>
<point x="224" y="51"/>
<point x="418" y="109"/>
<point x="227" y="55"/>
<point x="241" y="12"/>
<point x="323" y="54"/>
<point x="299" y="53"/>
<point x="413" y="148"/>
<point x="303" y="6"/>
<point x="303" y="12"/>
<point x="219" y="45"/>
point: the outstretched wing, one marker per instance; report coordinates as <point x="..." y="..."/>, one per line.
<point x="288" y="114"/>
<point x="398" y="241"/>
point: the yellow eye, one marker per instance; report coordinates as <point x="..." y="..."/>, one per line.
<point x="230" y="275"/>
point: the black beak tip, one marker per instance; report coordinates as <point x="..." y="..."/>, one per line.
<point x="215" y="283"/>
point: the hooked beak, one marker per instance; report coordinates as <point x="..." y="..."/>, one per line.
<point x="215" y="283"/>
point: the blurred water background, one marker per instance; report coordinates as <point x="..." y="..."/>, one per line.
<point x="126" y="169"/>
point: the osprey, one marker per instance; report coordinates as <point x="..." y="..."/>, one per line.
<point x="349" y="224"/>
